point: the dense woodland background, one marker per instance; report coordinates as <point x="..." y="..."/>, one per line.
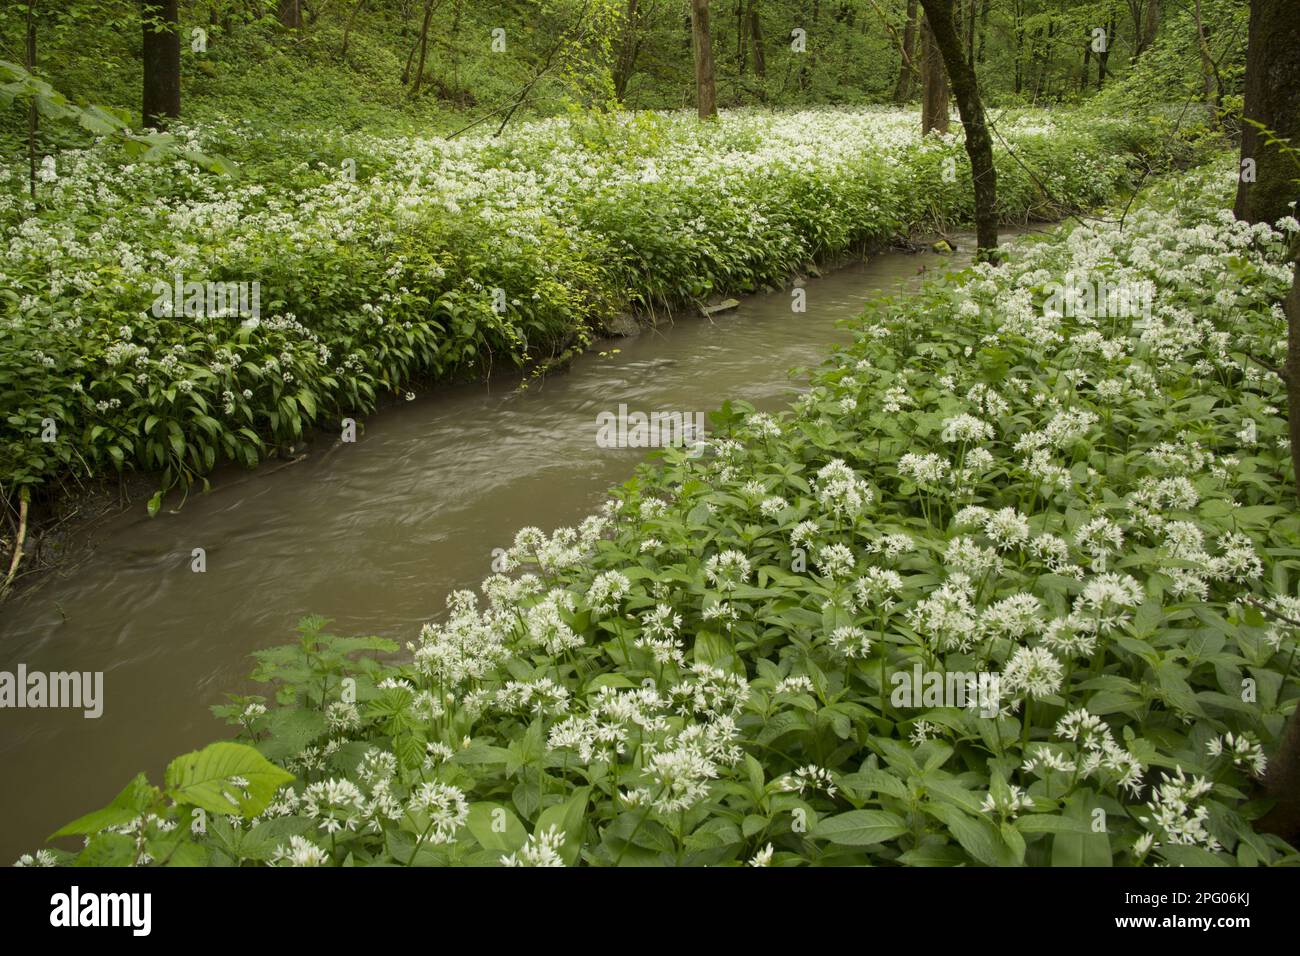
<point x="399" y="64"/>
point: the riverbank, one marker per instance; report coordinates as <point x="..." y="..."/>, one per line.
<point x="189" y="320"/>
<point x="373" y="535"/>
<point x="64" y="527"/>
<point x="1091" y="504"/>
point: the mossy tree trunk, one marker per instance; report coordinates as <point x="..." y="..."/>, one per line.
<point x="1266" y="188"/>
<point x="979" y="144"/>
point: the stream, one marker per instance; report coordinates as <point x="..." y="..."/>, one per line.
<point x="372" y="535"/>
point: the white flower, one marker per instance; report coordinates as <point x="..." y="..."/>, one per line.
<point x="965" y="428"/>
<point x="727" y="571"/>
<point x="840" y="490"/>
<point x="442" y="809"/>
<point x="541" y="849"/>
<point x="299" y="852"/>
<point x="1033" y="672"/>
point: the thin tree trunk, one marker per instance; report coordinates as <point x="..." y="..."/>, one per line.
<point x="33" y="115"/>
<point x="979" y="144"/>
<point x="934" y="82"/>
<point x="742" y="44"/>
<point x="1018" y="31"/>
<point x="455" y="51"/>
<point x="756" y="39"/>
<point x="291" y="14"/>
<point x="907" y="68"/>
<point x="1036" y="62"/>
<point x="984" y="28"/>
<point x="970" y="31"/>
<point x="1045" y="77"/>
<point x="701" y="41"/>
<point x="1208" y="69"/>
<point x="1087" y="59"/>
<point x="347" y="30"/>
<point x="1150" y="26"/>
<point x="162" y="62"/>
<point x="424" y="47"/>
<point x="625" y="65"/>
<point x="1104" y="56"/>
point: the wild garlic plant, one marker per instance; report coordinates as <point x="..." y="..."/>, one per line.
<point x="982" y="486"/>
<point x="385" y="261"/>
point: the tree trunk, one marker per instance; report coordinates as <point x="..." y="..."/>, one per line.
<point x="455" y="49"/>
<point x="33" y="114"/>
<point x="1104" y="56"/>
<point x="1272" y="90"/>
<point x="756" y="38"/>
<point x="1208" y="69"/>
<point x="291" y="14"/>
<point x="1045" y="78"/>
<point x="1087" y="58"/>
<point x="742" y="41"/>
<point x="162" y="62"/>
<point x="1149" y="27"/>
<point x="972" y="18"/>
<point x="705" y="93"/>
<point x="907" y="68"/>
<point x="984" y="28"/>
<point x="934" y="81"/>
<point x="424" y="47"/>
<point x="625" y="65"/>
<point x="347" y="30"/>
<point x="979" y="145"/>
<point x="1018" y="32"/>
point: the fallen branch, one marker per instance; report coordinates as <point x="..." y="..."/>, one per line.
<point x="23" y="499"/>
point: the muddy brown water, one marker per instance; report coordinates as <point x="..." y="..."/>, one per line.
<point x="372" y="535"/>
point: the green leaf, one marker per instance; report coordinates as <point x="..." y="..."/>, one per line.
<point x="1049" y="823"/>
<point x="1084" y="848"/>
<point x="203" y="778"/>
<point x="496" y="827"/>
<point x="570" y="818"/>
<point x="107" y="850"/>
<point x="860" y="827"/>
<point x="128" y="805"/>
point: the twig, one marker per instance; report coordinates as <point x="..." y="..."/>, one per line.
<point x="23" y="499"/>
<point x="1272" y="613"/>
<point x="907" y="54"/>
<point x="1279" y="372"/>
<point x="518" y="101"/>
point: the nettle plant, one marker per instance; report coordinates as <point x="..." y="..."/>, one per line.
<point x="1096" y="506"/>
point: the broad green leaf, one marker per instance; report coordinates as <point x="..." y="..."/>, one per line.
<point x="860" y="827"/>
<point x="225" y="778"/>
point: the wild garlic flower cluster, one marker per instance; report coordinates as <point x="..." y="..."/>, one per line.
<point x="1112" y="555"/>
